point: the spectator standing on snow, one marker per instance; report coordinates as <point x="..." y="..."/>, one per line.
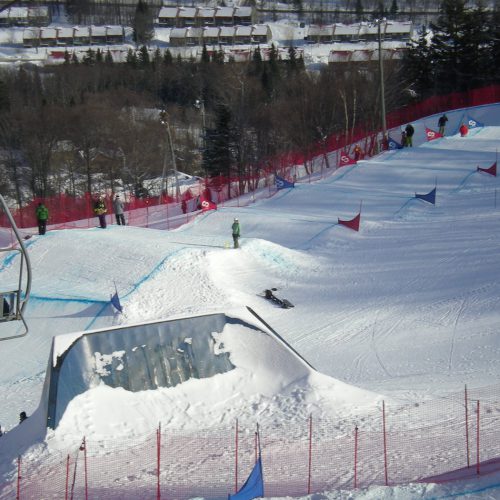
<point x="442" y="123"/>
<point x="100" y="210"/>
<point x="464" y="130"/>
<point x="358" y="153"/>
<point x="118" y="209"/>
<point x="236" y="233"/>
<point x="22" y="417"/>
<point x="409" y="131"/>
<point x="42" y="214"/>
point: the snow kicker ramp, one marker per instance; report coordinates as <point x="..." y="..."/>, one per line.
<point x="137" y="358"/>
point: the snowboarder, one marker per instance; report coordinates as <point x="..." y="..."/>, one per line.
<point x="442" y="123"/>
<point x="409" y="131"/>
<point x="100" y="210"/>
<point x="236" y="233"/>
<point x="118" y="209"/>
<point x="464" y="130"/>
<point x="22" y="417"/>
<point x="42" y="214"/>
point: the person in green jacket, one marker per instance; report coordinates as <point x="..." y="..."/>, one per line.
<point x="236" y="233"/>
<point x="42" y="214"/>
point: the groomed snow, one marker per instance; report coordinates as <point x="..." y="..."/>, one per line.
<point x="406" y="309"/>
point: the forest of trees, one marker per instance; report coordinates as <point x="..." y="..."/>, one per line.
<point x="92" y="123"/>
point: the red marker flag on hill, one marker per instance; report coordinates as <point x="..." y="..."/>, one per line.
<point x="351" y="224"/>
<point x="432" y="134"/>
<point x="491" y="170"/>
<point x="207" y="205"/>
<point x="345" y="159"/>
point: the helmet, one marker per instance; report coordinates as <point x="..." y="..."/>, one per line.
<point x="235" y="219"/>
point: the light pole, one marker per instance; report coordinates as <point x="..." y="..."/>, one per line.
<point x="164" y="121"/>
<point x="381" y="73"/>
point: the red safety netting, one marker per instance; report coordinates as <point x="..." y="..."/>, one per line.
<point x="444" y="439"/>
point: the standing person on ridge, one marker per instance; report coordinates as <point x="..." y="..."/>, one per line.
<point x="409" y="131"/>
<point x="100" y="210"/>
<point x="118" y="209"/>
<point x="442" y="123"/>
<point x="236" y="233"/>
<point x="42" y="214"/>
<point x="409" y="135"/>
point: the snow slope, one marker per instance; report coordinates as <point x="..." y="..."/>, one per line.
<point x="407" y="308"/>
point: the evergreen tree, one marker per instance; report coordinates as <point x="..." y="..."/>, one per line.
<point x="394" y="9"/>
<point x="143" y="58"/>
<point x="4" y="97"/>
<point x="108" y="58"/>
<point x="131" y="58"/>
<point x="217" y="155"/>
<point x="74" y="59"/>
<point x="168" y="60"/>
<point x="359" y="10"/>
<point x="143" y="28"/>
<point x="205" y="56"/>
<point x="67" y="58"/>
<point x="448" y="42"/>
<point x="419" y="67"/>
<point x="98" y="56"/>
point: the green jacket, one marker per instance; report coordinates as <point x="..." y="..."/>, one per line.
<point x="99" y="207"/>
<point x="42" y="212"/>
<point x="236" y="228"/>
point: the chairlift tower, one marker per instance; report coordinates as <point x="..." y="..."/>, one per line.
<point x="14" y="300"/>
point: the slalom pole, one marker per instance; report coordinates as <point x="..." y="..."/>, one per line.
<point x="355" y="457"/>
<point x="477" y="441"/>
<point x="236" y="458"/>
<point x="385" y="443"/>
<point x="310" y="456"/>
<point x="467" y="428"/>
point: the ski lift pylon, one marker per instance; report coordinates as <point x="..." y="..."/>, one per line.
<point x="14" y="300"/>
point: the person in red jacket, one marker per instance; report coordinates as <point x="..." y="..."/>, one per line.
<point x="464" y="130"/>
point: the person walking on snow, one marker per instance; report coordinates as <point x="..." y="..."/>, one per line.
<point x="118" y="209"/>
<point x="236" y="233"/>
<point x="100" y="210"/>
<point x="42" y="214"/>
<point x="442" y="123"/>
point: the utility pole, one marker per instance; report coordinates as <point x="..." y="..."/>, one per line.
<point x="381" y="73"/>
<point x="164" y="121"/>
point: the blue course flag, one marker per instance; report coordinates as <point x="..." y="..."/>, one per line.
<point x="283" y="183"/>
<point x="471" y="123"/>
<point x="115" y="300"/>
<point x="393" y="144"/>
<point x="254" y="485"/>
<point x="429" y="197"/>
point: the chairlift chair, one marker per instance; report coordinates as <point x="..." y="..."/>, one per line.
<point x="14" y="300"/>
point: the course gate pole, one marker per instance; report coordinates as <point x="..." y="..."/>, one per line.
<point x="477" y="440"/>
<point x="18" y="493"/>
<point x="310" y="455"/>
<point x="467" y="428"/>
<point x="385" y="443"/>
<point x="355" y="457"/>
<point x="67" y="478"/>
<point x="158" y="461"/>
<point x="236" y="458"/>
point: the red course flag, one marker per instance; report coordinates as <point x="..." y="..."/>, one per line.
<point x="353" y="223"/>
<point x="207" y="205"/>
<point x="432" y="134"/>
<point x="491" y="170"/>
<point x="345" y="159"/>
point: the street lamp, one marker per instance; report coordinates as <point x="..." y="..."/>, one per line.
<point x="200" y="104"/>
<point x="378" y="22"/>
<point x="164" y="121"/>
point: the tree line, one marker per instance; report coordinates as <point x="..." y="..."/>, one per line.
<point x="95" y="124"/>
